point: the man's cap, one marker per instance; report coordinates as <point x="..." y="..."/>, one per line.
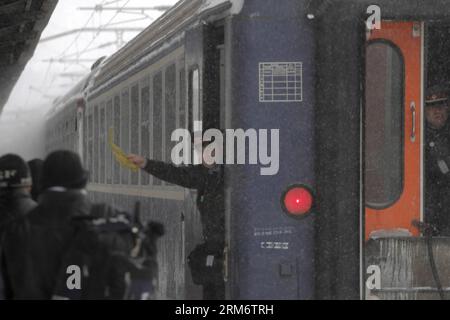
<point x="14" y="172"/>
<point x="63" y="169"/>
<point x="436" y="96"/>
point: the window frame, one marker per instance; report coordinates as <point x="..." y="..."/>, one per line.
<point x="393" y="200"/>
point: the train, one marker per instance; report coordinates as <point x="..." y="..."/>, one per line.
<point x="343" y="83"/>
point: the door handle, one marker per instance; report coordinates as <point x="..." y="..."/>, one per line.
<point x="413" y="116"/>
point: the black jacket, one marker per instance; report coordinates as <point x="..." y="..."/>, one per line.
<point x="437" y="179"/>
<point x="210" y="199"/>
<point x="33" y="245"/>
<point x="13" y="204"/>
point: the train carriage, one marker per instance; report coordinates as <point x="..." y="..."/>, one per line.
<point x="337" y="217"/>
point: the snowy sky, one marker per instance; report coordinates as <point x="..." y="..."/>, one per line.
<point x="42" y="80"/>
<point x="22" y="118"/>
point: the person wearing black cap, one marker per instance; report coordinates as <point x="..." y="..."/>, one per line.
<point x="15" y="187"/>
<point x="34" y="245"/>
<point x="437" y="160"/>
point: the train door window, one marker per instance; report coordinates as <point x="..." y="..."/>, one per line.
<point x="102" y="145"/>
<point x="170" y="108"/>
<point x="194" y="112"/>
<point x="96" y="145"/>
<point x="134" y="128"/>
<point x="109" y="155"/>
<point x="145" y="125"/>
<point x="125" y="124"/>
<point x="157" y="120"/>
<point x="117" y="135"/>
<point x="182" y="92"/>
<point x="384" y="125"/>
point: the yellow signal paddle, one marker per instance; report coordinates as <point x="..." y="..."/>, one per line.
<point x="118" y="153"/>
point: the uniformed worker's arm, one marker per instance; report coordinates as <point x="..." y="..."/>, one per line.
<point x="185" y="176"/>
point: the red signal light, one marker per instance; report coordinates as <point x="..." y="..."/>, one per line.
<point x="297" y="201"/>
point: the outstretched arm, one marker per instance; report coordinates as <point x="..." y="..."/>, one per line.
<point x="187" y="176"/>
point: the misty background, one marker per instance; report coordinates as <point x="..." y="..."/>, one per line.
<point x="69" y="45"/>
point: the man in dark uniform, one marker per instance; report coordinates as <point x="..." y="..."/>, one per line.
<point x="437" y="160"/>
<point x="206" y="260"/>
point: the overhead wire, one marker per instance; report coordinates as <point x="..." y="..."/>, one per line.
<point x="105" y="25"/>
<point x="95" y="36"/>
<point x="68" y="47"/>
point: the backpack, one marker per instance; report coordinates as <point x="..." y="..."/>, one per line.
<point x="206" y="264"/>
<point x="109" y="256"/>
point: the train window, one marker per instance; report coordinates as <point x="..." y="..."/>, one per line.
<point x="157" y="120"/>
<point x="90" y="146"/>
<point x="194" y="99"/>
<point x="134" y="128"/>
<point x="383" y="124"/>
<point x="116" y="166"/>
<point x="85" y="138"/>
<point x="109" y="124"/>
<point x="75" y="131"/>
<point x="102" y="145"/>
<point x="96" y="145"/>
<point x="67" y="133"/>
<point x="170" y="108"/>
<point x="145" y="126"/>
<point x="182" y="92"/>
<point x="125" y="123"/>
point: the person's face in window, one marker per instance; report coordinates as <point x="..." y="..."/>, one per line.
<point x="436" y="116"/>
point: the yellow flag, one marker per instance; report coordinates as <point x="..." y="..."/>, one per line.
<point x="118" y="153"/>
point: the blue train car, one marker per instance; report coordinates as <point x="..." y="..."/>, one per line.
<point x="272" y="88"/>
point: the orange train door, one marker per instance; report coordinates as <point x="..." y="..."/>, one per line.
<point x="392" y="136"/>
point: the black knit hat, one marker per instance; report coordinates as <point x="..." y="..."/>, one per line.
<point x="14" y="172"/>
<point x="63" y="169"/>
